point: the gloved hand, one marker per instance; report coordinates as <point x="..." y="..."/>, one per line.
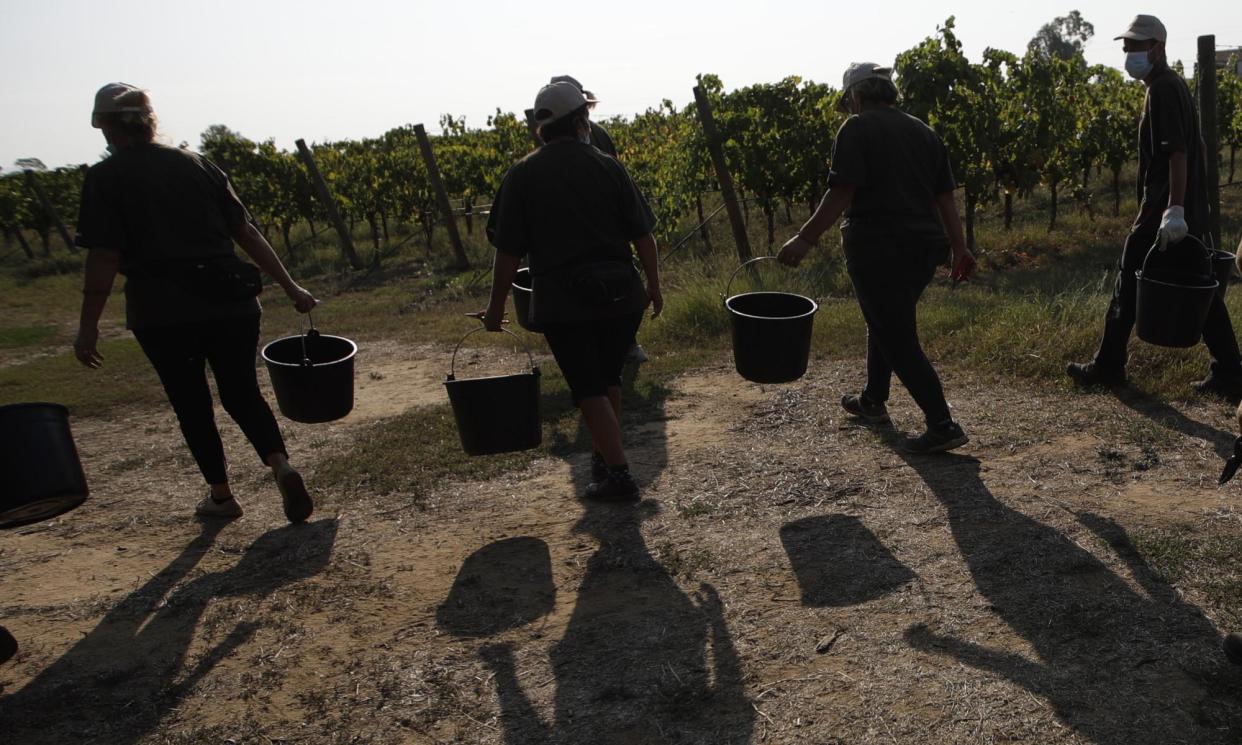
<point x="794" y="250"/>
<point x="1173" y="225"/>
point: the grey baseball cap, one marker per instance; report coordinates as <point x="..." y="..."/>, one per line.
<point x="119" y="98"/>
<point x="590" y="97"/>
<point x="555" y="100"/>
<point x="860" y="71"/>
<point x="1144" y="28"/>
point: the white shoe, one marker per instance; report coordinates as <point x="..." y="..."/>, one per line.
<point x="208" y="507"/>
<point x="636" y="354"/>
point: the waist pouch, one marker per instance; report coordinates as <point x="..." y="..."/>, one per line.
<point x="602" y="284"/>
<point x="221" y="279"/>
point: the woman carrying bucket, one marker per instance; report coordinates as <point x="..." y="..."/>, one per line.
<point x="891" y="178"/>
<point x="574" y="212"/>
<point x="167" y="218"/>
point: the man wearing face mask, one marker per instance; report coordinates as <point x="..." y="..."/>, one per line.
<point x="892" y="180"/>
<point x="1173" y="204"/>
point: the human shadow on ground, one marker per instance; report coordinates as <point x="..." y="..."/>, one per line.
<point x="838" y="562"/>
<point x="1164" y="415"/>
<point x="1118" y="666"/>
<point x="125" y="675"/>
<point x="633" y="666"/>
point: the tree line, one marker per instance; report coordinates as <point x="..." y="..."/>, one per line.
<point x="1010" y="122"/>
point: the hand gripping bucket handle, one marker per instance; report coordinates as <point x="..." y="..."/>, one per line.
<point x="526" y="347"/>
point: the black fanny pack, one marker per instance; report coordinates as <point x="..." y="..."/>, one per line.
<point x="215" y="278"/>
<point x="601" y="284"/>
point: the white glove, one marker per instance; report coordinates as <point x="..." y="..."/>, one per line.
<point x="1173" y="224"/>
<point x="794" y="250"/>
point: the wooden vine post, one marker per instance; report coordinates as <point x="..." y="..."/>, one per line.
<point x="32" y="183"/>
<point x="722" y="173"/>
<point x="442" y="200"/>
<point x="320" y="188"/>
<point x="1207" y="125"/>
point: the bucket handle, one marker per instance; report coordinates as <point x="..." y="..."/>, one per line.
<point x="453" y="365"/>
<point x="733" y="276"/>
<point x="1207" y="253"/>
<point x="303" y="333"/>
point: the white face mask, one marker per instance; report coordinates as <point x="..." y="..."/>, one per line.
<point x="1138" y="66"/>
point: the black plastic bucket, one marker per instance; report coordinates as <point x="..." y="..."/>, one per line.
<point x="42" y="473"/>
<point x="1170" y="307"/>
<point x="496" y="414"/>
<point x="312" y="375"/>
<point x="523" y="289"/>
<point x="771" y="333"/>
<point x="1223" y="264"/>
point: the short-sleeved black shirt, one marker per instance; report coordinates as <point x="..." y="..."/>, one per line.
<point x="563" y="205"/>
<point x="897" y="166"/>
<point x="1170" y="124"/>
<point x="157" y="205"/>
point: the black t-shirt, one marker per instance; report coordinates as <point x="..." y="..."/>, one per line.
<point x="158" y="205"/>
<point x="560" y="207"/>
<point x="1170" y="124"/>
<point x="897" y="166"/>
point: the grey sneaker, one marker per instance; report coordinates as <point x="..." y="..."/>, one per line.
<point x="938" y="438"/>
<point x="864" y="409"/>
<point x="619" y="486"/>
<point x="208" y="507"/>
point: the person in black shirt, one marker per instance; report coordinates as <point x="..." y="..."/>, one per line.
<point x="603" y="142"/>
<point x="1173" y="204"/>
<point x="153" y="213"/>
<point x="574" y="213"/>
<point x="891" y="178"/>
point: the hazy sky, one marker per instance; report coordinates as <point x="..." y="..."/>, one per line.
<point x="330" y="70"/>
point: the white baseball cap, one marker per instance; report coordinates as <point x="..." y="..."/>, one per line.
<point x="119" y="98"/>
<point x="555" y="100"/>
<point x="1144" y="28"/>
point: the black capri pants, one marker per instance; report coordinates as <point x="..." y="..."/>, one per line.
<point x="180" y="354"/>
<point x="591" y="354"/>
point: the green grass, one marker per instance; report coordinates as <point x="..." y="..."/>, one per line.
<point x="1207" y="563"/>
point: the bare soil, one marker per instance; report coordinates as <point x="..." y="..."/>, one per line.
<point x="789" y="577"/>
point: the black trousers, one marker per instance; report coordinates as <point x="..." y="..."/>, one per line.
<point x="1218" y="333"/>
<point x="888" y="280"/>
<point x="180" y="355"/>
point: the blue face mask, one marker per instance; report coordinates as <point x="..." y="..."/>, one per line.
<point x="1138" y="66"/>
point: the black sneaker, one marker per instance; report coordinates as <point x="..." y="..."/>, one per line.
<point x="1089" y="374"/>
<point x="865" y="409"/>
<point x="1233" y="648"/>
<point x="599" y="468"/>
<point x="1228" y="387"/>
<point x="618" y="486"/>
<point x="938" y="438"/>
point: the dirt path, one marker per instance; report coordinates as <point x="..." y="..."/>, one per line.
<point x="789" y="578"/>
